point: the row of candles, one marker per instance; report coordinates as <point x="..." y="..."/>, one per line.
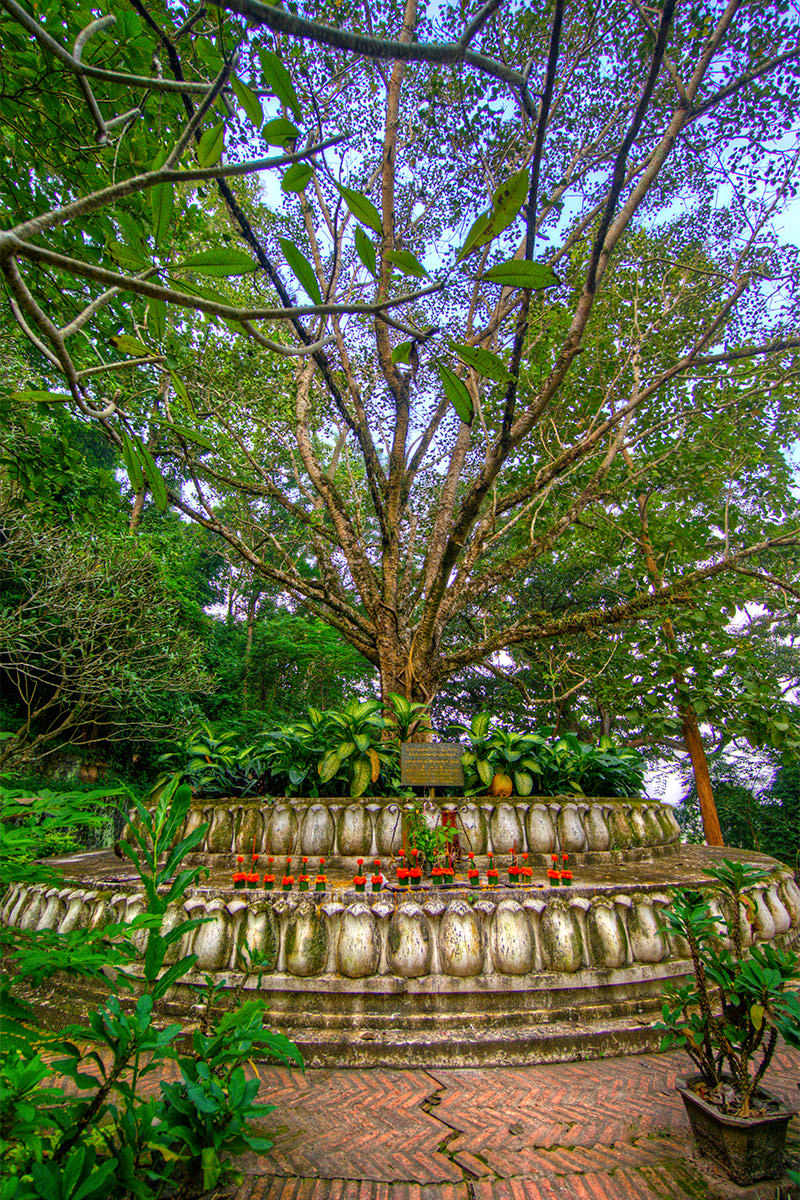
<point x="558" y="875"/>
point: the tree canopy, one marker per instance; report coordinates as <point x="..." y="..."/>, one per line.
<point x="409" y="309"/>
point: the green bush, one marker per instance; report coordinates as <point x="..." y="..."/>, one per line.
<point x="355" y="751"/>
<point x="106" y="1139"/>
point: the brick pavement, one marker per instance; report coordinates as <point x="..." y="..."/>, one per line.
<point x="612" y="1129"/>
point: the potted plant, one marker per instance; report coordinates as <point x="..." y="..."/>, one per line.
<point x="525" y="872"/>
<point x="727" y="1019"/>
<point x="302" y="879"/>
<point x="287" y="882"/>
<point x="473" y="874"/>
<point x="321" y="880"/>
<point x="269" y="878"/>
<point x="492" y="874"/>
<point x="377" y="878"/>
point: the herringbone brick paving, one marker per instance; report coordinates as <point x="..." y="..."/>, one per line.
<point x="612" y="1129"/>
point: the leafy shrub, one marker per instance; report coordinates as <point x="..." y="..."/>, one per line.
<point x="355" y="751"/>
<point x="108" y="1140"/>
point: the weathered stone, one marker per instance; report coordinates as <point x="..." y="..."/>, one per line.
<point x="282" y="830"/>
<point x="571" y="835"/>
<point x="763" y="924"/>
<point x="654" y="835"/>
<point x="606" y="935"/>
<point x="249" y="830"/>
<point x="212" y="943"/>
<point x="355" y="831"/>
<point x="259" y="937"/>
<point x="220" y="835"/>
<point x="596" y="827"/>
<point x="790" y="894"/>
<point x="541" y="831"/>
<point x="359" y="949"/>
<point x="562" y="948"/>
<point x="306" y="941"/>
<point x="505" y="829"/>
<point x="472" y="831"/>
<point x="621" y="833"/>
<point x="511" y="940"/>
<point x="781" y="917"/>
<point x="318" y="832"/>
<point x="647" y="942"/>
<point x="460" y="941"/>
<point x="409" y="942"/>
<point x="389" y="829"/>
<point x="637" y="824"/>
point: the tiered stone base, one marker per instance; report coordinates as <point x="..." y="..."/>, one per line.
<point x="444" y="977"/>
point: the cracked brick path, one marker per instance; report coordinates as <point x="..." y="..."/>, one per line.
<point x="613" y="1129"/>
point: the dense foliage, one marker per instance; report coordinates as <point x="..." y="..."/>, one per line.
<point x="355" y="751"/>
<point x="105" y="1139"/>
<point x="729" y="1016"/>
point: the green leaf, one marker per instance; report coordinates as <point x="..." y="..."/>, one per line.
<point x="401" y="352"/>
<point x="480" y="725"/>
<point x="126" y="257"/>
<point x="483" y="767"/>
<point x="191" y="435"/>
<point x="302" y="269"/>
<point x="362" y="209"/>
<point x="180" y="388"/>
<point x="408" y="263"/>
<point x="484" y="362"/>
<point x="456" y="391"/>
<point x="211" y="145"/>
<point x="162" y="201"/>
<point x="366" y="251"/>
<point x="248" y="100"/>
<point x="130" y="345"/>
<point x="362" y="774"/>
<point x="132" y="463"/>
<point x="153" y="475"/>
<point x="329" y="766"/>
<point x="506" y="204"/>
<point x="296" y="177"/>
<point x="279" y="80"/>
<point x="33" y="397"/>
<point x="220" y="262"/>
<point x="522" y="274"/>
<point x="279" y="131"/>
<point x="157" y="319"/>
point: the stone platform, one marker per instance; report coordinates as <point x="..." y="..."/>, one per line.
<point x="443" y="977"/>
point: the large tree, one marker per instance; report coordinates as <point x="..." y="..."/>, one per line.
<point x="538" y="250"/>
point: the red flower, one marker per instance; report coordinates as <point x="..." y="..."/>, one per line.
<point x="255" y="858"/>
<point x="564" y="857"/>
<point x="359" y="879"/>
<point x="360" y="862"/>
<point x="471" y="855"/>
<point x="322" y="862"/>
<point x="524" y="858"/>
<point x="377" y="879"/>
<point x="287" y="879"/>
<point x="238" y="876"/>
<point x="240" y="858"/>
<point x="270" y="860"/>
<point x="554" y="874"/>
<point x="401" y="853"/>
<point x="402" y="873"/>
<point x="566" y="874"/>
<point x="554" y="858"/>
<point x="377" y="863"/>
<point x="414" y="851"/>
<point x="269" y="879"/>
<point x="305" y="860"/>
<point x="416" y="872"/>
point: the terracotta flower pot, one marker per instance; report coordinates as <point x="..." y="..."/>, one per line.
<point x="749" y="1148"/>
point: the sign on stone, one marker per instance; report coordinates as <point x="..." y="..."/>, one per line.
<point x="431" y="764"/>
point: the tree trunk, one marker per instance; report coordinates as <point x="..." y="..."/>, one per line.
<point x="689" y="723"/>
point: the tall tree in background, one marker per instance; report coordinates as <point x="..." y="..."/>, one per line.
<point x="538" y="251"/>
